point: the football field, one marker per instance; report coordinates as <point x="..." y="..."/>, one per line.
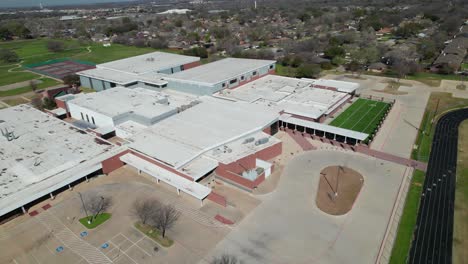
<point x="363" y="115"/>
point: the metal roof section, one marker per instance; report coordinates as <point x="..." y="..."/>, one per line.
<point x="322" y="127"/>
<point x="150" y="62"/>
<point x="214" y="122"/>
<point x="219" y="71"/>
<point x="40" y="153"/>
<point x="192" y="188"/>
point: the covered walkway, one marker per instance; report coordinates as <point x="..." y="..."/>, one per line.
<point x="317" y="129"/>
<point x="181" y="184"/>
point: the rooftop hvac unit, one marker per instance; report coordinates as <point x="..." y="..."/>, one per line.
<point x="261" y="141"/>
<point x="248" y="140"/>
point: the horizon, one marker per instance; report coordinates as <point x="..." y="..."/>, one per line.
<point x="52" y="3"/>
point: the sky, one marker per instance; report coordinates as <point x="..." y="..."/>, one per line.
<point x="45" y="3"/>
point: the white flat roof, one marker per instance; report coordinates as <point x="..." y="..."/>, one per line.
<point x="146" y="103"/>
<point x="46" y="155"/>
<point x="220" y="71"/>
<point x="122" y="78"/>
<point x="181" y="138"/>
<point x="195" y="189"/>
<point x="322" y="127"/>
<point x="342" y="86"/>
<point x="150" y="62"/>
<point x="291" y="95"/>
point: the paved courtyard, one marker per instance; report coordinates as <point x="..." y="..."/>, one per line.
<point x="287" y="227"/>
<point x="56" y="236"/>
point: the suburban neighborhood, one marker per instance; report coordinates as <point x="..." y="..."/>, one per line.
<point x="217" y="132"/>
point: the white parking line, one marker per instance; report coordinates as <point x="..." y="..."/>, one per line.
<point x="135" y="244"/>
<point x="124" y="252"/>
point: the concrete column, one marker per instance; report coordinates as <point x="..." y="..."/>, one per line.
<point x="334" y="136"/>
<point x="24" y="210"/>
<point x="139" y="172"/>
<point x="87" y="180"/>
<point x="201" y="202"/>
<point x="51" y="196"/>
<point x="178" y="191"/>
<point x="157" y="181"/>
<point x="314" y="132"/>
<point x="295" y="127"/>
<point x="346" y="140"/>
<point x="70" y="188"/>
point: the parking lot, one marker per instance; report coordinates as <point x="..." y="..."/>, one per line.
<point x="56" y="236"/>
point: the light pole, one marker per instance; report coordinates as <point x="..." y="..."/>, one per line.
<point x="84" y="207"/>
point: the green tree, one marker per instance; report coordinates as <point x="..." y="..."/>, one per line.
<point x="335" y="51"/>
<point x="7" y="55"/>
<point x="308" y="71"/>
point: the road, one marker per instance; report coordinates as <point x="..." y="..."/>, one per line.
<point x="434" y="228"/>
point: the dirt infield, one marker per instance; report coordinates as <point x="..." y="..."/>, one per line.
<point x="338" y="189"/>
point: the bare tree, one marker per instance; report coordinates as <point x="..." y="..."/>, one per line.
<point x="33" y="85"/>
<point x="55" y="46"/>
<point x="96" y="204"/>
<point x="226" y="259"/>
<point x="145" y="209"/>
<point x="165" y="218"/>
<point x="401" y="68"/>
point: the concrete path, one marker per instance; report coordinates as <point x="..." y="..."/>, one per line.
<point x="301" y="141"/>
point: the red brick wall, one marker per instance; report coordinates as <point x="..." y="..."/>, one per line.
<point x="191" y="65"/>
<point x="217" y="198"/>
<point x="270" y="152"/>
<point x="253" y="78"/>
<point x="113" y="163"/>
<point x="61" y="104"/>
<point x="233" y="170"/>
<point x="267" y="130"/>
<point x="238" y="179"/>
<point x="247" y="162"/>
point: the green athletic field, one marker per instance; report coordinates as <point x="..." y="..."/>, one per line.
<point x="363" y="116"/>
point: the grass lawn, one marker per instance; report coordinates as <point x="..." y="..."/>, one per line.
<point x="35" y="51"/>
<point x="15" y="101"/>
<point x="46" y="82"/>
<point x="14" y="77"/>
<point x="154" y="234"/>
<point x="438" y="103"/>
<point x="460" y="232"/>
<point x="428" y="78"/>
<point x="408" y="219"/>
<point x="100" y="219"/>
<point x="285" y="70"/>
<point x="363" y="115"/>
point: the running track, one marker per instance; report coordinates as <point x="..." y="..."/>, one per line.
<point x="434" y="228"/>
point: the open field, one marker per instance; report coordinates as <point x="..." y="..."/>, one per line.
<point x="460" y="233"/>
<point x="363" y="116"/>
<point x="34" y="51"/>
<point x="408" y="220"/>
<point x="46" y="82"/>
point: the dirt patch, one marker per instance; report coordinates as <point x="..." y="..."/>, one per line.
<point x="338" y="189"/>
